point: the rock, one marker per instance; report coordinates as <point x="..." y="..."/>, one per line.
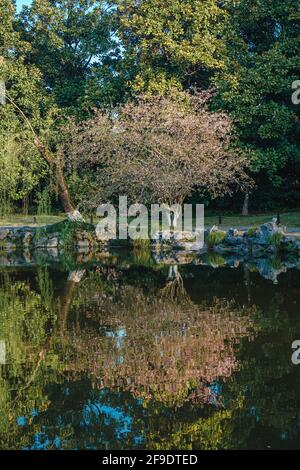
<point x="28" y="236"/>
<point x="268" y="229"/>
<point x="83" y="251"/>
<point x="83" y="244"/>
<point x="4" y="233"/>
<point x="41" y="242"/>
<point x="27" y="256"/>
<point x="233" y="232"/>
<point x="271" y="250"/>
<point x="52" y="242"/>
<point x="268" y="271"/>
<point x="234" y="240"/>
<point x="179" y="240"/>
<point x="164" y="235"/>
<point x="189" y="246"/>
<point x="53" y="252"/>
<point x="297" y="245"/>
<point x="8" y="246"/>
<point x="232" y="262"/>
<point x="185" y="236"/>
<point x="257" y="250"/>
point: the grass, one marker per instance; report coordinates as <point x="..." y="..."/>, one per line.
<point x="275" y="239"/>
<point x="215" y="238"/>
<point x="18" y="220"/>
<point x="290" y="219"/>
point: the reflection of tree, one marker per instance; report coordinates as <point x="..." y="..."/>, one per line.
<point x="151" y="344"/>
<point x="25" y="318"/>
<point x="174" y="289"/>
<point x="74" y="278"/>
<point x="187" y="375"/>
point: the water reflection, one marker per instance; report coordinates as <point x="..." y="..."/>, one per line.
<point x="133" y="354"/>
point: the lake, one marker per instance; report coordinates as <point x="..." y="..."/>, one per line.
<point x="120" y="351"/>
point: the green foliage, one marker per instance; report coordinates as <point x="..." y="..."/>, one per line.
<point x="63" y="58"/>
<point x="215" y="238"/>
<point x="142" y="252"/>
<point x="44" y="202"/>
<point x="21" y="169"/>
<point x="214" y="259"/>
<point x="73" y="46"/>
<point x="263" y="47"/>
<point x="140" y="243"/>
<point x="170" y="44"/>
<point x="275" y="239"/>
<point x="252" y="231"/>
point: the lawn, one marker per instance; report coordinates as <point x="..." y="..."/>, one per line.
<point x="29" y="220"/>
<point x="290" y="219"/>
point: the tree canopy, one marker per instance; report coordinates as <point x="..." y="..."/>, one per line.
<point x="156" y="150"/>
<point x="64" y="58"/>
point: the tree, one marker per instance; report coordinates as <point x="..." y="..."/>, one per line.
<point x="170" y="44"/>
<point x="21" y="166"/>
<point x="156" y="150"/>
<point x="25" y="90"/>
<point x="255" y="87"/>
<point x="73" y="45"/>
<point x="21" y="171"/>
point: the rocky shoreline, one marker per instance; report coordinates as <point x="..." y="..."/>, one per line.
<point x="267" y="249"/>
<point x="269" y="238"/>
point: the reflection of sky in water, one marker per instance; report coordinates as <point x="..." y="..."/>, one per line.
<point x="119" y="339"/>
<point x="74" y="413"/>
<point x="96" y="418"/>
<point x="118" y="336"/>
<point x="92" y="412"/>
<point x="21" y="3"/>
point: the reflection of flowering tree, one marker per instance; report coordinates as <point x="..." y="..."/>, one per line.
<point x="154" y="346"/>
<point x="174" y="289"/>
<point x="140" y="341"/>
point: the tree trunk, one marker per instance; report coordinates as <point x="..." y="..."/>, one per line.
<point x="245" y="210"/>
<point x="247" y="281"/>
<point x="74" y="278"/>
<point x="72" y="213"/>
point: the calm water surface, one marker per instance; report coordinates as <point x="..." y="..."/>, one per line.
<point x="125" y="353"/>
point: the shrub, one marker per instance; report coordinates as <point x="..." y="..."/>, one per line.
<point x="140" y="243"/>
<point x="252" y="231"/>
<point x="275" y="239"/>
<point x="215" y="238"/>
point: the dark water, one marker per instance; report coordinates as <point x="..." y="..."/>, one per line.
<point x="120" y="355"/>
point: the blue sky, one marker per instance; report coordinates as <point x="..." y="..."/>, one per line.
<point x="20" y="3"/>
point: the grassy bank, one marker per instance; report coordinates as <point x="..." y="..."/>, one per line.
<point x="29" y="220"/>
<point x="290" y="219"/>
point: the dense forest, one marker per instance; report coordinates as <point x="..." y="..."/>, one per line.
<point x="218" y="79"/>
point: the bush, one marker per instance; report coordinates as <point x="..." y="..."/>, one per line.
<point x="215" y="238"/>
<point x="252" y="231"/>
<point x="275" y="239"/>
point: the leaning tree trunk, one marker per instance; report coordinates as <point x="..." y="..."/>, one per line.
<point x="74" y="278"/>
<point x="245" y="210"/>
<point x="72" y="213"/>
